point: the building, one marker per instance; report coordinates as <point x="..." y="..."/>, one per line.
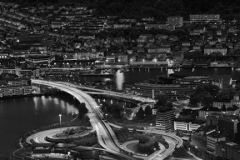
<point x="175" y="21"/>
<point x="204" y="17"/>
<point x="193" y="81"/>
<point x="212" y="139"/>
<point x="186" y="124"/>
<point x="205" y="112"/>
<point x="228" y="124"/>
<point x="228" y="150"/>
<point x="160" y="26"/>
<point x="149" y="63"/>
<point x="152" y="90"/>
<point x="21" y="72"/>
<point x="40" y="59"/>
<point x="209" y="50"/>
<point x="235" y="101"/>
<point x="223" y="102"/>
<point x="19" y="82"/>
<point x="159" y="50"/>
<point x="164" y="119"/>
<point x="6" y="91"/>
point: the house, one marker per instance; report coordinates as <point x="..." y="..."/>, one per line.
<point x="122" y="25"/>
<point x="186" y="44"/>
<point x="222" y="39"/>
<point x="159" y="50"/>
<point x="160" y="26"/>
<point x="175" y="21"/>
<point x="219" y="104"/>
<point x="145" y="36"/>
<point x="235" y="101"/>
<point x="209" y="50"/>
<point x="172" y="38"/>
<point x="203" y="113"/>
<point x="212" y="42"/>
<point x="20" y="50"/>
<point x="199" y="43"/>
<point x="161" y="36"/>
<point x="204" y="17"/>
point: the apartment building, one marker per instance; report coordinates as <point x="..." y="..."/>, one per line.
<point x="164" y="120"/>
<point x="228" y="150"/>
<point x="212" y="139"/>
<point x="15" y="90"/>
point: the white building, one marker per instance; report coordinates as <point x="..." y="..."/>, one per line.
<point x="186" y="125"/>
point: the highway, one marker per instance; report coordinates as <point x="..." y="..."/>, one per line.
<point x="173" y="141"/>
<point x="108" y="92"/>
<point x="105" y="137"/>
<point x="105" y="134"/>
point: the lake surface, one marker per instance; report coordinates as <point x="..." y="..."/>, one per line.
<point x="140" y="75"/>
<point x="19" y="115"/>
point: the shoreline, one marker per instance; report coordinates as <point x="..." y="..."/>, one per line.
<point x="15" y="143"/>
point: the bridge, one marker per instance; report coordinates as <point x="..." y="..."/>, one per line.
<point x="110" y="93"/>
<point x="106" y="137"/>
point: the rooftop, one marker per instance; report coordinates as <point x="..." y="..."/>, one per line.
<point x="187" y="120"/>
<point x="215" y="135"/>
<point x="231" y="144"/>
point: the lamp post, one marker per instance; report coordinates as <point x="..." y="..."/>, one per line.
<point x="60" y="120"/>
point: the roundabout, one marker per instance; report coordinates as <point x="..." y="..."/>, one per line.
<point x="106" y="137"/>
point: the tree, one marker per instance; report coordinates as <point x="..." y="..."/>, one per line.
<point x="116" y="110"/>
<point x="148" y="111"/>
<point x="161" y="100"/>
<point x="207" y="100"/>
<point x="140" y="114"/>
<point x="223" y="107"/>
<point x="213" y="90"/>
<point x="169" y="105"/>
<point x="82" y="109"/>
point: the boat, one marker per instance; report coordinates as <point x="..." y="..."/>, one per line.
<point x="123" y="69"/>
<point x="221" y="64"/>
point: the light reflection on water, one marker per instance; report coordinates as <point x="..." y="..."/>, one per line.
<point x="119" y="80"/>
<point x="19" y="115"/>
<point x="45" y="102"/>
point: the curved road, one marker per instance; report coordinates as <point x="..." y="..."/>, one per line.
<point x="108" y="92"/>
<point x="104" y="136"/>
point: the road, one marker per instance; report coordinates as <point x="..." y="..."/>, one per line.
<point x="108" y="92"/>
<point x="104" y="134"/>
<point x="173" y="141"/>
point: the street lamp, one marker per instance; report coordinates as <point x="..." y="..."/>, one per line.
<point x="60" y="120"/>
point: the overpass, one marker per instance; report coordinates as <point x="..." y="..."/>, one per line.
<point x="111" y="93"/>
<point x="105" y="134"/>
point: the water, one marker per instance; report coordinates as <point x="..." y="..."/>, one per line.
<point x="136" y="75"/>
<point x="19" y="115"/>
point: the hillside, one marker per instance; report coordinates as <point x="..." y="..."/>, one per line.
<point x="159" y="9"/>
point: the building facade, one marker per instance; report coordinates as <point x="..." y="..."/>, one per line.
<point x="164" y="120"/>
<point x="15" y="90"/>
<point x="228" y="150"/>
<point x="212" y="139"/>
